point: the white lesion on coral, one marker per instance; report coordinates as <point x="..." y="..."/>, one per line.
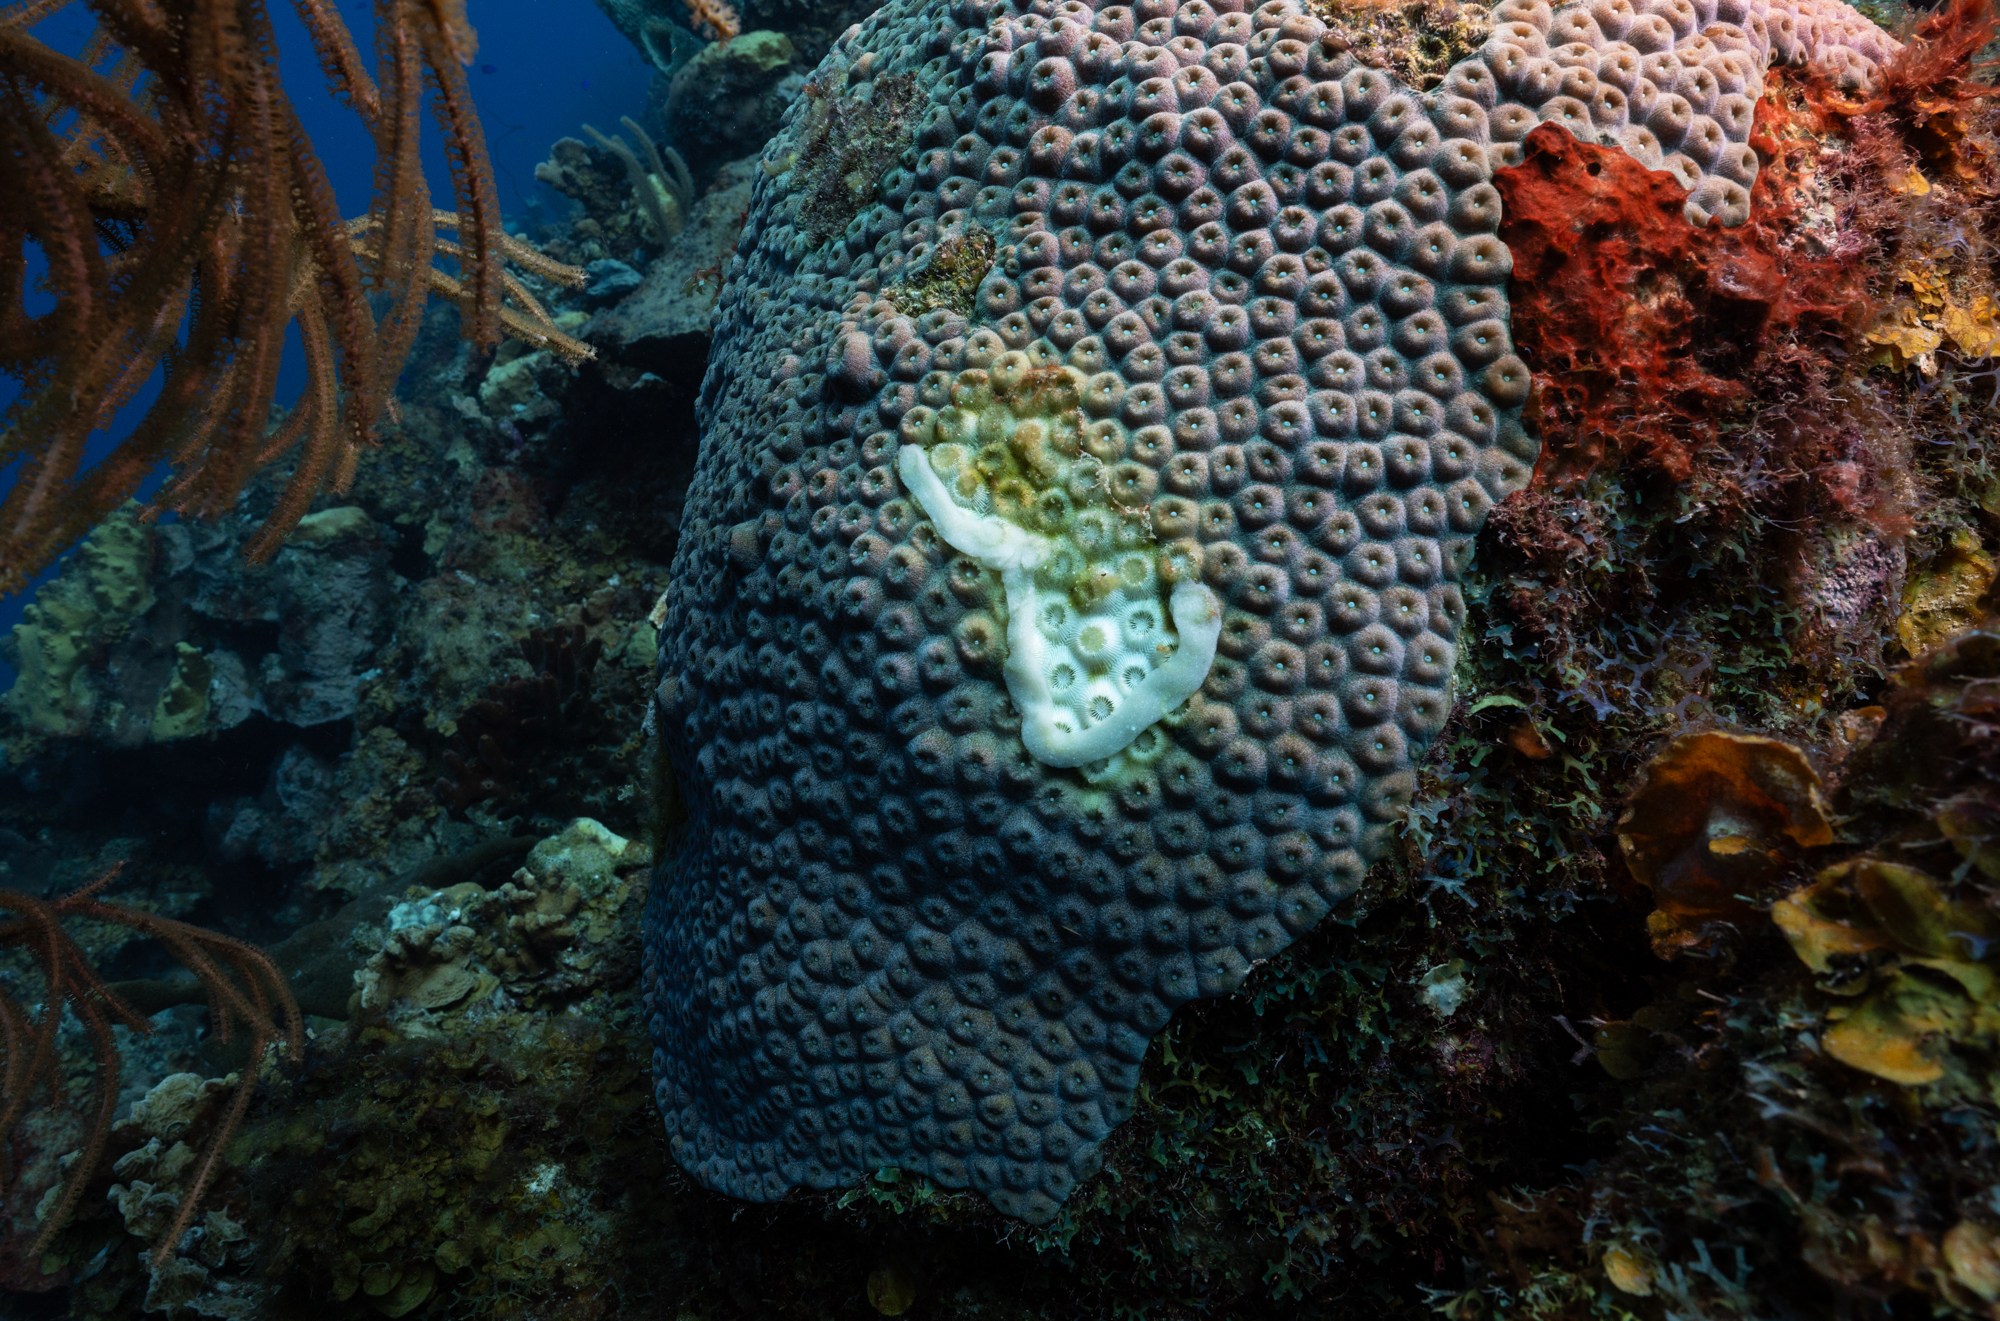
<point x="1090" y="681"/>
<point x="993" y="541"/>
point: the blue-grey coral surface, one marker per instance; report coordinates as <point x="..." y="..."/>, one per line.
<point x="1190" y="294"/>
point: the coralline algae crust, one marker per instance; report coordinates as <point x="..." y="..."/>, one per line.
<point x="1258" y="285"/>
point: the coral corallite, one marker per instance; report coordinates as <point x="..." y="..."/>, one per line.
<point x="1242" y="348"/>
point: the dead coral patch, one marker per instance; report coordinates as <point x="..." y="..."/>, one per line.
<point x="1418" y="42"/>
<point x="852" y="135"/>
<point x="949" y="279"/>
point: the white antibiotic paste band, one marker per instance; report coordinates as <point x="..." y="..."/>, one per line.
<point x="1087" y="682"/>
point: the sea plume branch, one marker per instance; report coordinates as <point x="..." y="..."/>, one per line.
<point x="186" y="223"/>
<point x="246" y="993"/>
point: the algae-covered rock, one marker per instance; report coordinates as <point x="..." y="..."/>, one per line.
<point x="724" y="103"/>
<point x="477" y="1141"/>
<point x="586" y="856"/>
<point x="156" y="634"/>
<point x="551" y="933"/>
<point x="91" y="604"/>
<point x="1943" y="595"/>
<point x="494" y="1149"/>
<point x="663" y="326"/>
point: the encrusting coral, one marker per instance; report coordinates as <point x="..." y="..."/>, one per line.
<point x="891" y="931"/>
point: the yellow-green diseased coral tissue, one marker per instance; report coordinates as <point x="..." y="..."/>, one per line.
<point x="1100" y="646"/>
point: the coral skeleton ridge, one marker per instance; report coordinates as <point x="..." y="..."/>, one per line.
<point x="1223" y="392"/>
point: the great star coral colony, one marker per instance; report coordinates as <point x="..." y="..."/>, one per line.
<point x="1245" y="330"/>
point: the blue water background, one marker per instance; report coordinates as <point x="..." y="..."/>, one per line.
<point x="543" y="69"/>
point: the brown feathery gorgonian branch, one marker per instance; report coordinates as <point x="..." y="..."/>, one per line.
<point x="522" y="317"/>
<point x="715" y="19"/>
<point x="181" y="221"/>
<point x="245" y="991"/>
